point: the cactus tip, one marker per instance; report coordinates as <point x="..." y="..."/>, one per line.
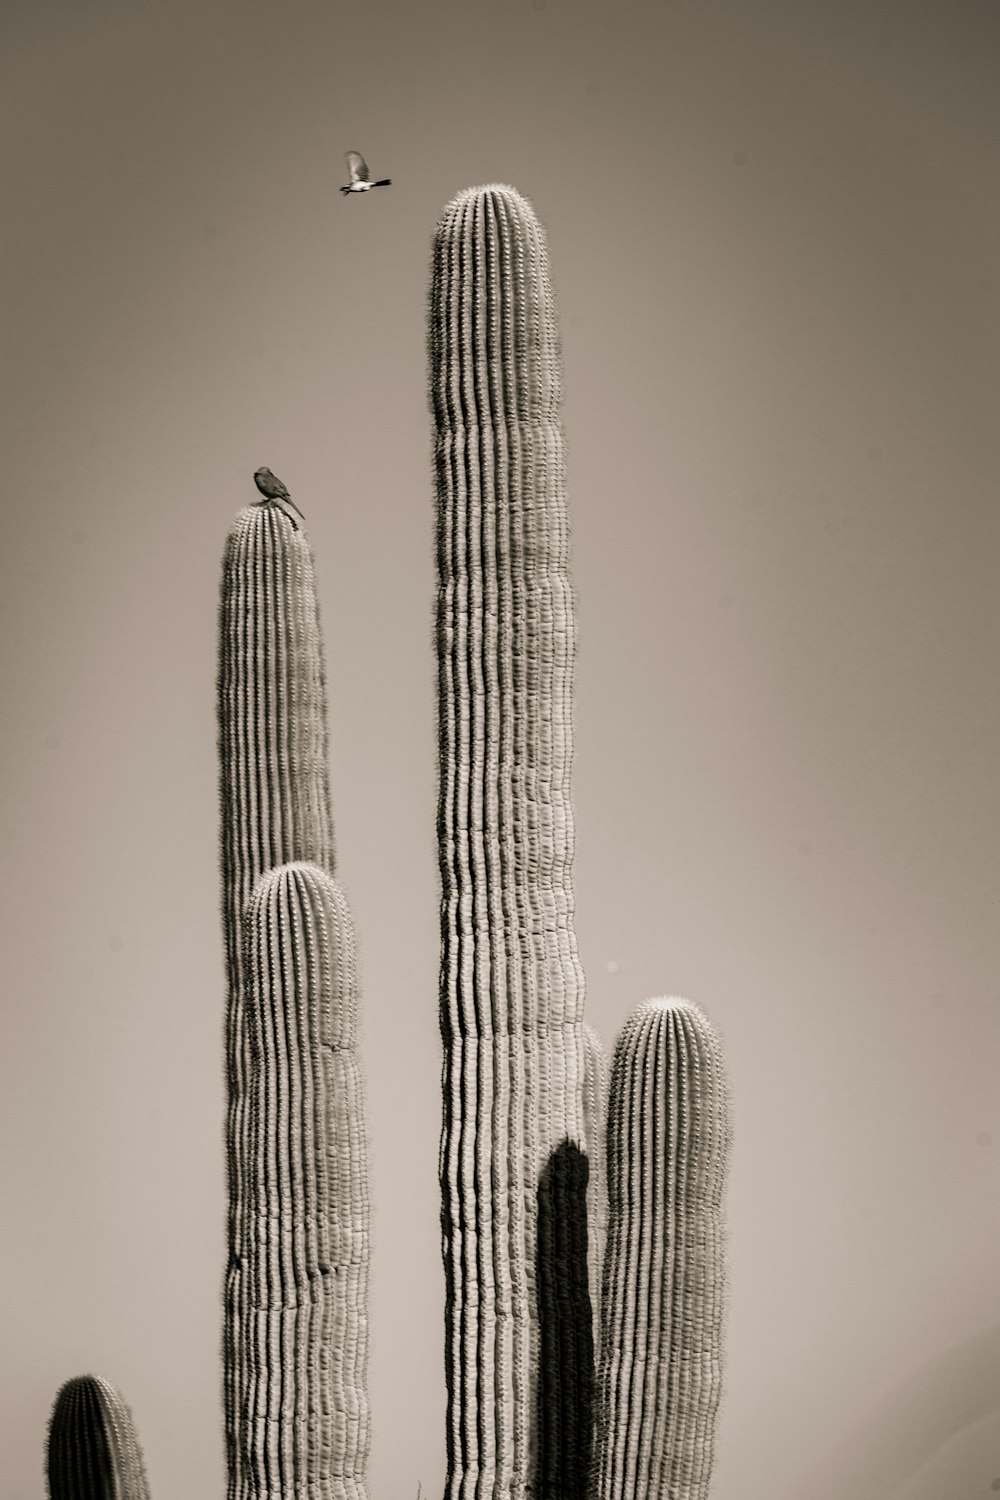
<point x="496" y="191"/>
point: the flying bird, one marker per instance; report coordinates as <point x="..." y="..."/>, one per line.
<point x="358" y="168"/>
<point x="272" y="488"/>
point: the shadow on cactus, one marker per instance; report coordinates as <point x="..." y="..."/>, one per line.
<point x="565" y="1413"/>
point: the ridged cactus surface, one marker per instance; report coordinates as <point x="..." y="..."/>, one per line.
<point x="93" y="1452"/>
<point x="595" y="1114"/>
<point x="662" y="1309"/>
<point x="303" y="1414"/>
<point x="511" y="985"/>
<point x="275" y="807"/>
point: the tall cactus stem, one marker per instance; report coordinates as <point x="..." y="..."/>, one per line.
<point x="511" y="984"/>
<point x="275" y="807"/>
<point x="92" y="1450"/>
<point x="303" y="1414"/>
<point x="662" y="1310"/>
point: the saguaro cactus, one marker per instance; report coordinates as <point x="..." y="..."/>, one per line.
<point x="93" y="1452"/>
<point x="664" y="1280"/>
<point x="275" y="808"/>
<point x="303" y="1421"/>
<point x="511" y="984"/>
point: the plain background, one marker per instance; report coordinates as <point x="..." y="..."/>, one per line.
<point x="775" y="241"/>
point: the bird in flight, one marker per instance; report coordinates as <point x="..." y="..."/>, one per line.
<point x="272" y="488"/>
<point x="360" y="181"/>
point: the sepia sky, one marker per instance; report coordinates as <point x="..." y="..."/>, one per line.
<point x="775" y="242"/>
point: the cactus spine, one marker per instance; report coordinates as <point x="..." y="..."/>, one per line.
<point x="304" y="1429"/>
<point x="275" y="806"/>
<point x="664" y="1278"/>
<point x="511" y="984"/>
<point x="93" y="1452"/>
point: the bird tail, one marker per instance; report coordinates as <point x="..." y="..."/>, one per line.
<point x="383" y="182"/>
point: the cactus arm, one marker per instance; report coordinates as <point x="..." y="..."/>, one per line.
<point x="662" y="1311"/>
<point x="92" y="1450"/>
<point x="303" y="1418"/>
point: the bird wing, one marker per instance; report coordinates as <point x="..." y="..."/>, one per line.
<point x="356" y="166"/>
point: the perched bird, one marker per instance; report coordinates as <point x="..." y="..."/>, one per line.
<point x="358" y="169"/>
<point x="272" y="488"/>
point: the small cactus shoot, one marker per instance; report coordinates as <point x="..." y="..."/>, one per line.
<point x="92" y="1451"/>
<point x="664" y="1277"/>
<point x="303" y="1415"/>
